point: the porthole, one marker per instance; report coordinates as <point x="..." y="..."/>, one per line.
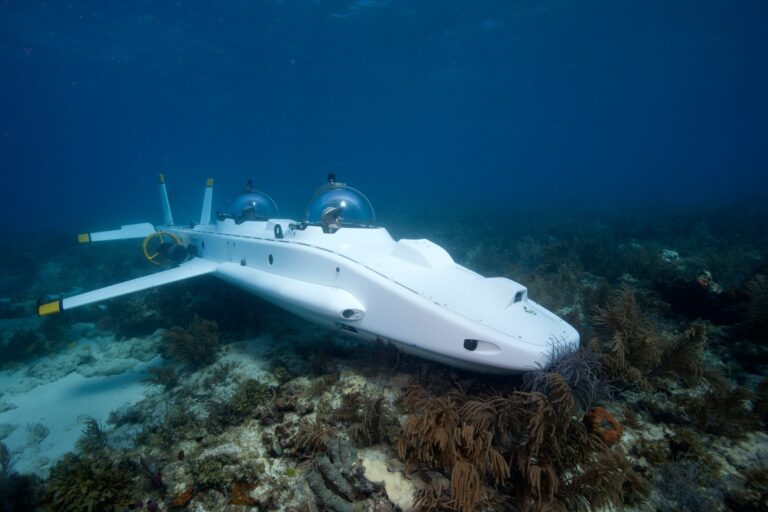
<point x="470" y="345"/>
<point x="352" y="314"/>
<point x="271" y="259"/>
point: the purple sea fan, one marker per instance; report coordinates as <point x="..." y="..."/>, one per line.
<point x="581" y="368"/>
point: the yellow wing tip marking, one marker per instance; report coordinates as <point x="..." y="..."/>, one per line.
<point x="209" y="182"/>
<point x="161" y="177"/>
<point x="84" y="238"/>
<point x="49" y="308"/>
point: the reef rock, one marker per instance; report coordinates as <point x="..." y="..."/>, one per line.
<point x="337" y="479"/>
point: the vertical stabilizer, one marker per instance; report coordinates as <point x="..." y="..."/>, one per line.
<point x="205" y="216"/>
<point x="167" y="216"/>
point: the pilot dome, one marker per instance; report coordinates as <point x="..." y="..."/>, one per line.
<point x="339" y="205"/>
<point x="253" y="205"/>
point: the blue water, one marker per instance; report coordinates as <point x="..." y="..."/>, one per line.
<point x="490" y="102"/>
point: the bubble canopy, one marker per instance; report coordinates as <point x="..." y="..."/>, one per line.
<point x="346" y="205"/>
<point x="253" y="205"/>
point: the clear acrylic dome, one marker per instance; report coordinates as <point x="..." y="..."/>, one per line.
<point x="345" y="205"/>
<point x="253" y="205"/>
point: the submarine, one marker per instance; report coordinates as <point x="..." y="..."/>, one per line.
<point x="337" y="268"/>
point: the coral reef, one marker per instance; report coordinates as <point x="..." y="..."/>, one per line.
<point x="222" y="470"/>
<point x="94" y="438"/>
<point x="165" y="376"/>
<point x="336" y="478"/>
<point x="246" y="402"/>
<point x="757" y="306"/>
<point x="312" y="438"/>
<point x="195" y="346"/>
<point x="24" y="344"/>
<point x="250" y="395"/>
<point x="751" y="493"/>
<point x="629" y="340"/>
<point x="90" y="483"/>
<point x="133" y="316"/>
<point x="526" y="442"/>
<point x="259" y="410"/>
<point x="760" y="404"/>
<point x="368" y="418"/>
<point x="634" y="350"/>
<point x="723" y="410"/>
<point x="583" y="369"/>
<point x="688" y="486"/>
<point x="17" y="492"/>
<point x="681" y="358"/>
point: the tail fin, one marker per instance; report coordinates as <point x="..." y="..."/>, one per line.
<point x="142" y="230"/>
<point x="167" y="216"/>
<point x="205" y="215"/>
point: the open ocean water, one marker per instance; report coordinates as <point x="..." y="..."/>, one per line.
<point x="610" y="157"/>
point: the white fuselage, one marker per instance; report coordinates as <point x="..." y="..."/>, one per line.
<point x="409" y="292"/>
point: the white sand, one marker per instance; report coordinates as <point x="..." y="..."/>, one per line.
<point x="94" y="377"/>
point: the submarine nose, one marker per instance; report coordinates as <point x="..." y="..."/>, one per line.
<point x="571" y="336"/>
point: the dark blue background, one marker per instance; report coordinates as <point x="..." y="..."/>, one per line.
<point x="489" y="102"/>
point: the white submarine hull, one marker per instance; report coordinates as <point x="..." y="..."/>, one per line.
<point x="362" y="282"/>
<point x="357" y="280"/>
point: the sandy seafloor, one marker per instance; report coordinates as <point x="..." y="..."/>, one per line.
<point x="46" y="400"/>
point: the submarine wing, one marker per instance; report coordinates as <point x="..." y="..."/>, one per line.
<point x="192" y="268"/>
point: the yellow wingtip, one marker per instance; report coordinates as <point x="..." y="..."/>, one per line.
<point x="84" y="238"/>
<point x="161" y="177"/>
<point x="49" y="308"/>
<point x="209" y="182"/>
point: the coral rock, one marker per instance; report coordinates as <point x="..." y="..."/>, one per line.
<point x="336" y="479"/>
